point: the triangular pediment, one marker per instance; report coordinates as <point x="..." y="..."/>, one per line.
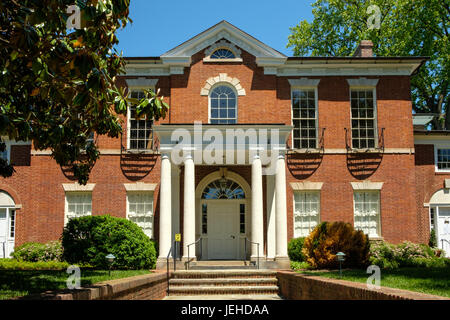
<point x="223" y="30"/>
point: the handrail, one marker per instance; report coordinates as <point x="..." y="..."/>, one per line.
<point x="4" y="249"/>
<point x="173" y="250"/>
<point x="188" y="246"/>
<point x="442" y="240"/>
<point x="245" y="250"/>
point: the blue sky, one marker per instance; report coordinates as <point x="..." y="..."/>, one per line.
<point x="159" y="26"/>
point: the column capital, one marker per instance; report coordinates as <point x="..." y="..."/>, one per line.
<point x="187" y="157"/>
<point x="281" y="156"/>
<point x="256" y="157"/>
<point x="165" y="156"/>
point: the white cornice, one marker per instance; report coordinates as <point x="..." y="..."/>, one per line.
<point x="74" y="187"/>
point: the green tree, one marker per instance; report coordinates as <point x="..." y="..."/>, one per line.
<point x="407" y="27"/>
<point x="58" y="85"/>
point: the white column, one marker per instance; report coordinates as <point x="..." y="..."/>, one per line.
<point x="281" y="211"/>
<point x="165" y="208"/>
<point x="271" y="232"/>
<point x="189" y="207"/>
<point x="176" y="204"/>
<point x="257" y="208"/>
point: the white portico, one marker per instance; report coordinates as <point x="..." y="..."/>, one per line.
<point x="223" y="209"/>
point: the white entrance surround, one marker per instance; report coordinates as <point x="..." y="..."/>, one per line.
<point x="7" y="224"/>
<point x="257" y="209"/>
<point x="440" y="206"/>
<point x="189" y="207"/>
<point x="239" y="241"/>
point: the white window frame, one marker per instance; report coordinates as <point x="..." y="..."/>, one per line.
<point x="152" y="196"/>
<point x="379" y="230"/>
<point x="436" y="147"/>
<point x="66" y="205"/>
<point x="130" y="90"/>
<point x="226" y="84"/>
<point x="318" y="192"/>
<point x="316" y="101"/>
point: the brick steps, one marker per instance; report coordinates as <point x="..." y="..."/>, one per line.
<point x="223" y="282"/>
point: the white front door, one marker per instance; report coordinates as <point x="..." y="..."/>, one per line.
<point x="223" y="229"/>
<point x="444" y="230"/>
<point x="6" y="232"/>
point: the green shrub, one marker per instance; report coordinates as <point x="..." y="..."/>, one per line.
<point x="433" y="241"/>
<point x="35" y="251"/>
<point x="296" y="265"/>
<point x="406" y="254"/>
<point x="295" y="247"/>
<point x="328" y="238"/>
<point x="13" y="264"/>
<point x="89" y="239"/>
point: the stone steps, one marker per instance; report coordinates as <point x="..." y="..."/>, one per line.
<point x="223" y="282"/>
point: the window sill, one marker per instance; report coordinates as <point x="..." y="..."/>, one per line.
<point x="141" y="151"/>
<point x="377" y="238"/>
<point x="306" y="150"/>
<point x="208" y="59"/>
<point x="442" y="172"/>
<point x="369" y="150"/>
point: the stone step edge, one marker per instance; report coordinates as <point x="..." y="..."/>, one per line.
<point x="224" y="288"/>
<point x="223" y="281"/>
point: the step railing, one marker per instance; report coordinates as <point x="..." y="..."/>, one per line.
<point x="442" y="243"/>
<point x="245" y="250"/>
<point x="173" y="251"/>
<point x="188" y="256"/>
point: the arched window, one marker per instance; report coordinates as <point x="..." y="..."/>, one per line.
<point x="223" y="105"/>
<point x="223" y="189"/>
<point x="223" y="53"/>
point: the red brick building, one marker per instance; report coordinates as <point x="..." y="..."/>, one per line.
<point x="256" y="146"/>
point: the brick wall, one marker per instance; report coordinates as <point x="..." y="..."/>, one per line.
<point x="295" y="286"/>
<point x="145" y="287"/>
<point x="267" y="100"/>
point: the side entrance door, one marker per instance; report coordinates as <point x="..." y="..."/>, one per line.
<point x="223" y="232"/>
<point x="444" y="230"/>
<point x="6" y="232"/>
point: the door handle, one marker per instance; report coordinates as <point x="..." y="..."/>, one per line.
<point x="233" y="237"/>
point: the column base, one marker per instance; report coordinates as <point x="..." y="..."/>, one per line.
<point x="283" y="262"/>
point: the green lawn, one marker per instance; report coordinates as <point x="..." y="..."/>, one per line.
<point x="17" y="283"/>
<point x="426" y="280"/>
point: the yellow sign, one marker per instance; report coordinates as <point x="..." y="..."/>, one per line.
<point x="178" y="237"/>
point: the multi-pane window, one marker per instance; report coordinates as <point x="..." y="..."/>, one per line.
<point x="306" y="212"/>
<point x="12" y="229"/>
<point x="432" y="217"/>
<point x="223" y="105"/>
<point x="204" y="218"/>
<point x="443" y="159"/>
<point x="363" y="119"/>
<point x="242" y="218"/>
<point x="140" y="128"/>
<point x="140" y="210"/>
<point x="223" y="54"/>
<point x="78" y="204"/>
<point x="304" y="118"/>
<point x="367" y="212"/>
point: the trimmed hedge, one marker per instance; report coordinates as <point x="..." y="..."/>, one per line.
<point x="329" y="238"/>
<point x="13" y="264"/>
<point x="295" y="247"/>
<point x="89" y="239"/>
<point x="35" y="251"/>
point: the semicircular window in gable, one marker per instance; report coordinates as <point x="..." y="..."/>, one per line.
<point x="223" y="53"/>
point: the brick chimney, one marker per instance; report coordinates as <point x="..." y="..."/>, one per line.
<point x="364" y="49"/>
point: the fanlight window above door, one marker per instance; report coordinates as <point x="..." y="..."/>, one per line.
<point x="223" y="189"/>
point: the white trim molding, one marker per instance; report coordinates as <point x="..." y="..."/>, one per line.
<point x="222" y="77"/>
<point x="367" y="185"/>
<point x="139" y="186"/>
<point x="74" y="187"/>
<point x="362" y="83"/>
<point x="223" y="44"/>
<point x="306" y="185"/>
<point x="304" y="83"/>
<point x="141" y="83"/>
